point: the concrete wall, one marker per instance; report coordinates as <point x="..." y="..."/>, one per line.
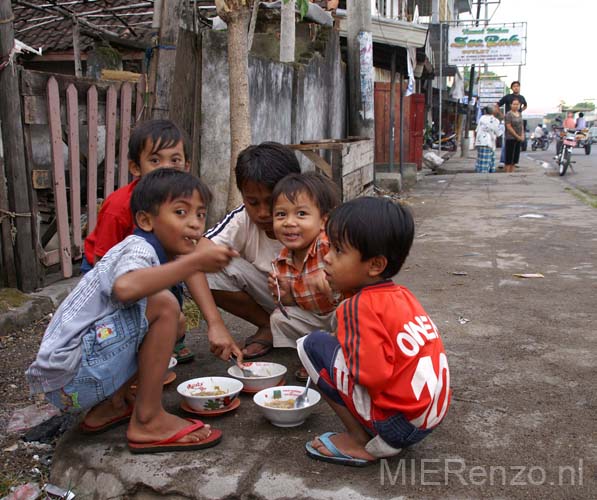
<point x="289" y="103"/>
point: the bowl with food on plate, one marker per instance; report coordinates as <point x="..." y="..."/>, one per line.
<point x="277" y="404"/>
<point x="264" y="375"/>
<point x="209" y="393"/>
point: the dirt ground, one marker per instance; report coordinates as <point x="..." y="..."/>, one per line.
<point x="28" y="462"/>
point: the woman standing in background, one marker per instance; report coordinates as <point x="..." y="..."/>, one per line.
<point x="514" y="135"/>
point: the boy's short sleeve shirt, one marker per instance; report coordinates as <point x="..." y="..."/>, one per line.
<point x="114" y="223"/>
<point x="309" y="287"/>
<point x="239" y="232"/>
<point x="60" y="351"/>
<point x="393" y="349"/>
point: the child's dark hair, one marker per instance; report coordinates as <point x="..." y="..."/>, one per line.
<point x="163" y="134"/>
<point x="164" y="184"/>
<point x="374" y="226"/>
<point x="265" y="164"/>
<point x="320" y="188"/>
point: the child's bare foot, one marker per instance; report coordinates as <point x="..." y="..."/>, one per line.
<point x="346" y="444"/>
<point x="259" y="344"/>
<point x="164" y="426"/>
<point x="106" y="412"/>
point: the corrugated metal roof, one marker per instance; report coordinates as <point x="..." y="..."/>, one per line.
<point x="39" y="24"/>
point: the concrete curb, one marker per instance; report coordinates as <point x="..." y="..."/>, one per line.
<point x="39" y="305"/>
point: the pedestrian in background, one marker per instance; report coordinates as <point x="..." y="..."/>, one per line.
<point x="514" y="135"/>
<point x="507" y="102"/>
<point x="488" y="130"/>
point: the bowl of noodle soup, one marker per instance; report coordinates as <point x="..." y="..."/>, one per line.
<point x="277" y="404"/>
<point x="209" y="393"/>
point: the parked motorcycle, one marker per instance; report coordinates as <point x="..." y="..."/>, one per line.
<point x="564" y="156"/>
<point x="448" y="141"/>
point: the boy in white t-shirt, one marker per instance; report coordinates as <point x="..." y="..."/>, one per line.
<point x="241" y="288"/>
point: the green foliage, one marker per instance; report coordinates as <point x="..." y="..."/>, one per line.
<point x="192" y="314"/>
<point x="584" y="106"/>
<point x="303" y="6"/>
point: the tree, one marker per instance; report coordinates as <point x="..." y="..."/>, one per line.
<point x="236" y="14"/>
<point x="584" y="106"/>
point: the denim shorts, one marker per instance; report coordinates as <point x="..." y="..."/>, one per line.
<point x="324" y="356"/>
<point x="109" y="350"/>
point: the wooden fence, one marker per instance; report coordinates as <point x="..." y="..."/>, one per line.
<point x="88" y="119"/>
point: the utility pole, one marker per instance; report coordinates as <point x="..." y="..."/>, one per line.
<point x="287" y="31"/>
<point x="464" y="145"/>
<point x="360" y="82"/>
<point x="19" y="213"/>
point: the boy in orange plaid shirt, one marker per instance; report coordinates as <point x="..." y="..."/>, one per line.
<point x="301" y="204"/>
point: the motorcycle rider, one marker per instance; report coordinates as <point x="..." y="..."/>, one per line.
<point x="569" y="122"/>
<point x="539" y="132"/>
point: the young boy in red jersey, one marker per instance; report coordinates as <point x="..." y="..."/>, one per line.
<point x="153" y="144"/>
<point x="301" y="206"/>
<point x="386" y="373"/>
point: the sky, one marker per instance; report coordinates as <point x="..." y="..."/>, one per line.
<point x="561" y="50"/>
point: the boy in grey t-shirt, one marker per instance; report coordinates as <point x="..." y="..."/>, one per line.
<point x="121" y="321"/>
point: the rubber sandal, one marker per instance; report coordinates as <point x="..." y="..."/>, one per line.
<point x="267" y="347"/>
<point x="338" y="457"/>
<point x="172" y="443"/>
<point x="182" y="358"/>
<point x="110" y="424"/>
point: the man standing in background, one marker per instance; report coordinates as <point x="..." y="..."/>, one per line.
<point x="507" y="101"/>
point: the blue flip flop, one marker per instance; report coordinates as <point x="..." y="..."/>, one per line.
<point x="338" y="457"/>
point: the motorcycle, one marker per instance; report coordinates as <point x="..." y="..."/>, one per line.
<point x="539" y="142"/>
<point x="448" y="141"/>
<point x="564" y="156"/>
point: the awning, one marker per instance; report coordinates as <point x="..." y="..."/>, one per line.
<point x="389" y="31"/>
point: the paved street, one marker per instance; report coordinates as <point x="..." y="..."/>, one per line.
<point x="521" y="352"/>
<point x="583" y="175"/>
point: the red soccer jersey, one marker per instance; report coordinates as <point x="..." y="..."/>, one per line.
<point x="393" y="349"/>
<point x="114" y="223"/>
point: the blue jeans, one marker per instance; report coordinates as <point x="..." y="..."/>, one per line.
<point x="108" y="359"/>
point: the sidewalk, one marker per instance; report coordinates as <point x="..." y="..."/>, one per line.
<point x="521" y="353"/>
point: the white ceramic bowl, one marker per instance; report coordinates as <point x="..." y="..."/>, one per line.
<point x="285" y="417"/>
<point x="270" y="375"/>
<point x="189" y="391"/>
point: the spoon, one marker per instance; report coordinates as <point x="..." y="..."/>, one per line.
<point x="279" y="304"/>
<point x="303" y="398"/>
<point x="246" y="371"/>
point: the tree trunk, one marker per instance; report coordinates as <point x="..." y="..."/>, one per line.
<point x="236" y="14"/>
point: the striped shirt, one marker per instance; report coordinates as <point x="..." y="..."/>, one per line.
<point x="238" y="231"/>
<point x="308" y="286"/>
